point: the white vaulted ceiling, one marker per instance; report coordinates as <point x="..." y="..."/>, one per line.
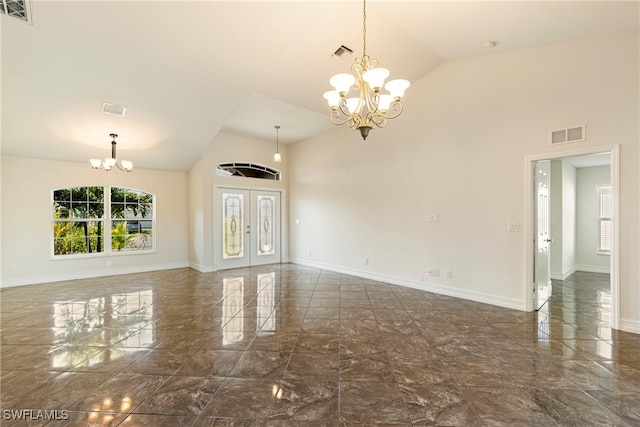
<point x="188" y="70"/>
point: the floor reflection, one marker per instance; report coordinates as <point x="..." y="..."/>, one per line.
<point x="82" y="325"/>
<point x="233" y="310"/>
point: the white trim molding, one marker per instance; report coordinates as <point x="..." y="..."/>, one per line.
<point x="34" y="280"/>
<point x="593" y="268"/>
<point x="416" y="284"/>
<point x="630" y="325"/>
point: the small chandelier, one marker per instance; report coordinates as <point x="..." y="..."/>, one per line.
<point x="109" y="162"/>
<point x="277" y="157"/>
<point x="371" y="108"/>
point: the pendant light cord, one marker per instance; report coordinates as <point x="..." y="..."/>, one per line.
<point x="364" y="29"/>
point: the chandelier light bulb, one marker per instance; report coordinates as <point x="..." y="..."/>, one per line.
<point x="397" y="87"/>
<point x="375" y="78"/>
<point x="127" y="165"/>
<point x="384" y="103"/>
<point x="333" y="98"/>
<point x="342" y="82"/>
<point x="353" y="105"/>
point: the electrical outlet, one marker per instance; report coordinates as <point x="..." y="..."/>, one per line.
<point x="433" y="218"/>
<point x="513" y="227"/>
<point x="109" y="263"/>
<point x="366" y="261"/>
<point x="433" y="272"/>
<point x="448" y="274"/>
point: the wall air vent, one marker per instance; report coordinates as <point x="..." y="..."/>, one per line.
<point x="573" y="134"/>
<point x="20" y="9"/>
<point x="342" y="52"/>
<point x="116" y="110"/>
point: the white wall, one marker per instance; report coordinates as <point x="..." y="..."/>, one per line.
<point x="589" y="180"/>
<point x="203" y="180"/>
<point x="459" y="151"/>
<point x="569" y="215"/>
<point x="27" y="229"/>
<point x="569" y="238"/>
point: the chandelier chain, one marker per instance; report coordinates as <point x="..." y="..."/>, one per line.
<point x="364" y="29"/>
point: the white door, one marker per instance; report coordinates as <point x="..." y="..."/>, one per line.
<point x="247" y="227"/>
<point x="542" y="264"/>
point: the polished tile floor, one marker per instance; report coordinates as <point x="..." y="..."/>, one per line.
<point x="286" y="345"/>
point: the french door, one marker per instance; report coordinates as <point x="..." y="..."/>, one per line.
<point x="247" y="227"/>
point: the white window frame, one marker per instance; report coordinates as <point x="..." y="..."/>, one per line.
<point x="107" y="222"/>
<point x="605" y="226"/>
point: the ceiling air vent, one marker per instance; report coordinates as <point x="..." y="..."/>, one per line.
<point x="116" y="110"/>
<point x="563" y="136"/>
<point x="342" y="52"/>
<point x="20" y="9"/>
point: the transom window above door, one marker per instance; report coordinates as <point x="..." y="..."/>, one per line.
<point x="248" y="170"/>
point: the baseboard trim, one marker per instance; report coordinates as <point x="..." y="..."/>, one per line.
<point x="593" y="268"/>
<point x="201" y="268"/>
<point x="564" y="275"/>
<point x="416" y="284"/>
<point x="630" y="325"/>
<point x="35" y="280"/>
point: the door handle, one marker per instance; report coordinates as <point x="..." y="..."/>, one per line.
<point x="548" y="240"/>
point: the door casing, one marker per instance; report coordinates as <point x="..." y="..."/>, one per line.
<point x="530" y="217"/>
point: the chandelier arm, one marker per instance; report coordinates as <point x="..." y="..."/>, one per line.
<point x="394" y="111"/>
<point x="358" y="68"/>
<point x="371" y="101"/>
<point x="343" y="109"/>
<point x="378" y="120"/>
<point x="335" y="116"/>
<point x="355" y="120"/>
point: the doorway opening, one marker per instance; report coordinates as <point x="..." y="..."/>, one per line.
<point x="535" y="268"/>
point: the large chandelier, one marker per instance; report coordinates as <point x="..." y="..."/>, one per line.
<point x="371" y="108"/>
<point x="109" y="162"/>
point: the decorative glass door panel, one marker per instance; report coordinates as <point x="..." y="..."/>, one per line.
<point x="249" y="224"/>
<point x="266" y="225"/>
<point x="232" y="221"/>
<point x="542" y="269"/>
